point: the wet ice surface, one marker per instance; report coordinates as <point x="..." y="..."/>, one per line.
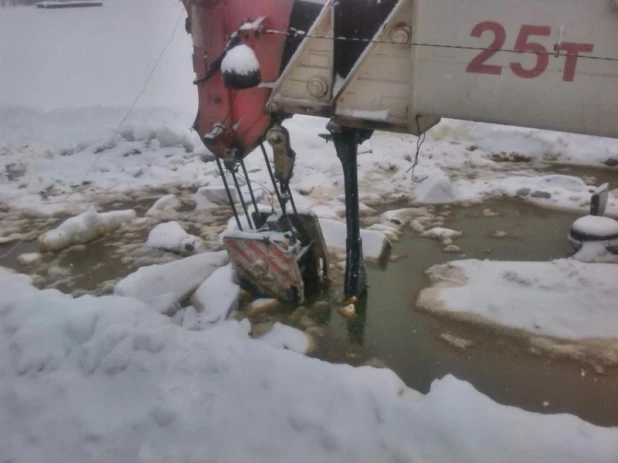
<point x="96" y="266"/>
<point x="390" y="332"/>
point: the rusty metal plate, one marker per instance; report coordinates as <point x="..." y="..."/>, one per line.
<point x="263" y="264"/>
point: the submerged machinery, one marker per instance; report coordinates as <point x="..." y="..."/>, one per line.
<point x="392" y="65"/>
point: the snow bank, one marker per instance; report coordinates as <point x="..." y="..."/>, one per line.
<point x="170" y="236"/>
<point x="375" y="243"/>
<point x="163" y="285"/>
<point x="83" y="228"/>
<point x="286" y="337"/>
<point x="564" y="298"/>
<point x="217" y="297"/>
<point x="108" y="379"/>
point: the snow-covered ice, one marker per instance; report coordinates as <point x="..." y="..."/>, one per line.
<point x="108" y="378"/>
<point x="286" y="337"/>
<point x="83" y="228"/>
<point x="433" y="188"/>
<point x="170" y="236"/>
<point x="164" y="285"/>
<point x="217" y="297"/>
<point x="441" y="233"/>
<point x="375" y="243"/>
<point x="211" y="196"/>
<point x="165" y="203"/>
<point x="563" y="298"/>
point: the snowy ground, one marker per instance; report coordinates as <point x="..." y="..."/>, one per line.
<point x="111" y="378"/>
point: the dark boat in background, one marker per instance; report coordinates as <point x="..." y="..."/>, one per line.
<point x="54" y="4"/>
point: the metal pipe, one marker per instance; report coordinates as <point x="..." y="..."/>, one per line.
<point x="346" y="144"/>
<point x="242" y="200"/>
<point x="291" y="199"/>
<point x="229" y="194"/>
<point x="244" y="169"/>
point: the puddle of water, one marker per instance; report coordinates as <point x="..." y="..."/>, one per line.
<point x="95" y="267"/>
<point x="391" y="332"/>
<point x="409" y="341"/>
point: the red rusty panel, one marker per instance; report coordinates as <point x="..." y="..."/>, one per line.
<point x="262" y="263"/>
<point x="212" y="22"/>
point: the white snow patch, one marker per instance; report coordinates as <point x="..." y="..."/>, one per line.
<point x="217" y="297"/>
<point x="286" y="337"/>
<point x="596" y="226"/>
<point x="83" y="228"/>
<point x="562" y="298"/>
<point x="240" y="60"/>
<point x="375" y="243"/>
<point x="596" y="251"/>
<point x="163" y="285"/>
<point x="170" y="236"/>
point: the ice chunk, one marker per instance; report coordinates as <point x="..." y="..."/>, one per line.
<point x="442" y="233"/>
<point x="217" y="297"/>
<point x="436" y="188"/>
<point x="170" y="282"/>
<point x="375" y="243"/>
<point x="169" y="138"/>
<point x="29" y="258"/>
<point x="165" y="203"/>
<point x="287" y="337"/>
<point x="563" y="298"/>
<point x="400" y="217"/>
<point x="83" y="228"/>
<point x="212" y="196"/>
<point x="170" y="236"/>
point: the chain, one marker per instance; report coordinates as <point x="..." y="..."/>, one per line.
<point x="295" y="33"/>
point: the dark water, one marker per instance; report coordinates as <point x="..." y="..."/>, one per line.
<point x="501" y="367"/>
